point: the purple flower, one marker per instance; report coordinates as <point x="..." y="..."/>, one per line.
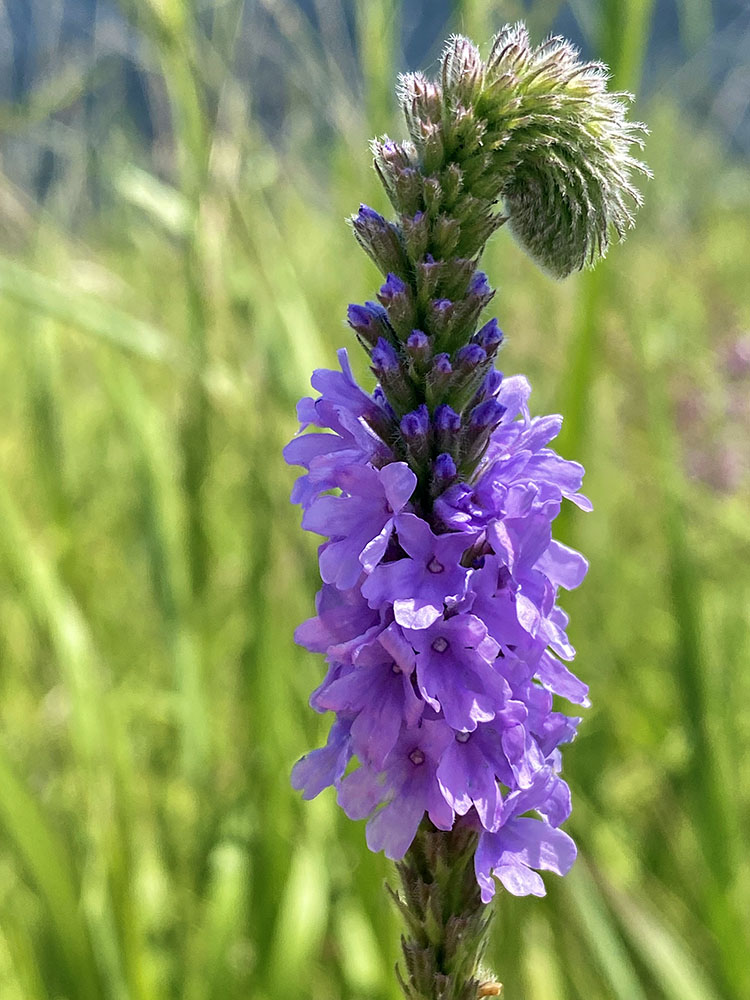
<point x="377" y="691"/>
<point x="360" y="522"/>
<point x="454" y="660"/>
<point x="473" y="764"/>
<point x="340" y="617"/>
<point x="419" y="586"/>
<point x="342" y="408"/>
<point x="405" y="791"/>
<point x="515" y="850"/>
<point x="435" y="496"/>
<point x="324" y="767"/>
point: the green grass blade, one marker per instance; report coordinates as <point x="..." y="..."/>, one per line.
<point x="156" y="459"/>
<point x="542" y="974"/>
<point x="46" y="860"/>
<point x="84" y="312"/>
<point x="602" y="937"/>
<point x="673" y="968"/>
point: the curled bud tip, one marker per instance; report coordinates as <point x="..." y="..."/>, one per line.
<point x="532" y="128"/>
<point x="565" y="150"/>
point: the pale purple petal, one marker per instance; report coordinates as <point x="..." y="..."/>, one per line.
<point x="375" y="549"/>
<point x="564" y="566"/>
<point x="556" y="676"/>
<point x="324" y="767"/>
<point x="393" y="828"/>
<point x="399" y="482"/>
<point x="360" y="792"/>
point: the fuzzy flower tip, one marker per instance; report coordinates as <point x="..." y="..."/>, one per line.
<point x="532" y="127"/>
<point x="435" y="493"/>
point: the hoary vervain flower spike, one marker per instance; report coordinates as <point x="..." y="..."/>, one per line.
<point x="436" y="493"/>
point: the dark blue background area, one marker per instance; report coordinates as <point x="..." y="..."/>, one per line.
<point x="711" y="80"/>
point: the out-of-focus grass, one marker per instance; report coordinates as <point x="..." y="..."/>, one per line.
<point x="151" y="570"/>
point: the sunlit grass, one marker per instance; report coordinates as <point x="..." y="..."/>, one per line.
<point x="151" y="571"/>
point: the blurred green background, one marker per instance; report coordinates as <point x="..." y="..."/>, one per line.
<point x="174" y="264"/>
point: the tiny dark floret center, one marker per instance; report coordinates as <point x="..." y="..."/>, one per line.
<point x="417" y="757"/>
<point x="434" y="566"/>
<point x="462" y="737"/>
<point x="440" y="644"/>
<point x="395" y="668"/>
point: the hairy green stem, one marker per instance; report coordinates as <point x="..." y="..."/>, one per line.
<point x="446" y="922"/>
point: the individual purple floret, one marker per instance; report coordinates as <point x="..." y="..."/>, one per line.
<point x="359" y="522"/>
<point x="379" y="694"/>
<point x="419" y="586"/>
<point x="405" y="789"/>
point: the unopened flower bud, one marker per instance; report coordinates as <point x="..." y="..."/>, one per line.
<point x="480" y="286"/>
<point x="488" y="388"/>
<point x="468" y="310"/>
<point x="440" y="314"/>
<point x="419" y="351"/>
<point x="438" y="379"/>
<point x="396" y="165"/>
<point x="469" y="357"/>
<point x="471" y="364"/>
<point x="446" y="424"/>
<point x="382" y="403"/>
<point x="429" y="274"/>
<point x="418" y="344"/>
<point x="416" y="234"/>
<point x="444" y="473"/>
<point x="392" y="287"/>
<point x="462" y="70"/>
<point x="397" y="297"/>
<point x="384" y="359"/>
<point x="387" y="368"/>
<point x="415" y="430"/>
<point x="487" y="415"/>
<point x="421" y="101"/>
<point x="490" y="337"/>
<point x="446" y="233"/>
<point x="380" y="239"/>
<point x="483" y="420"/>
<point x="416" y="424"/>
<point x="369" y="321"/>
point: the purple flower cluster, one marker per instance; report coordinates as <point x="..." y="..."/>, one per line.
<point x="438" y="613"/>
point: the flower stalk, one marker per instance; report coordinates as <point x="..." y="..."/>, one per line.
<point x="446" y="922"/>
<point x="436" y="492"/>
